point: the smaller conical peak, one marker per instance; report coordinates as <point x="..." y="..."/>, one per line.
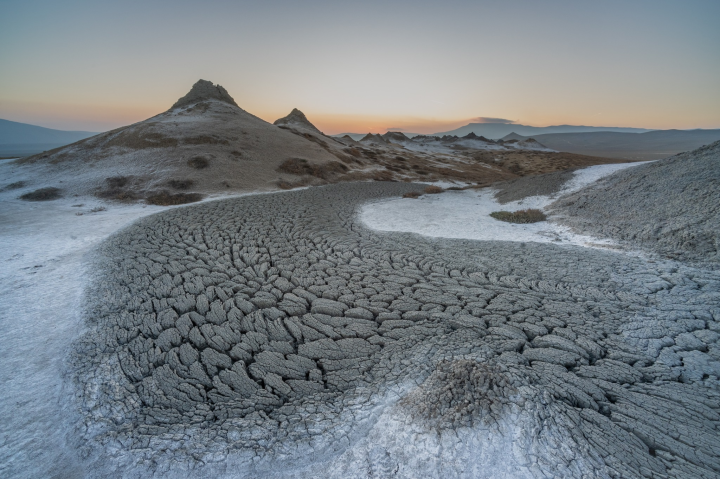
<point x="296" y="118"/>
<point x="395" y="136"/>
<point x="204" y="90"/>
<point x="377" y="138"/>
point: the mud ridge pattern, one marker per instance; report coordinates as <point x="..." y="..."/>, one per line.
<point x="270" y="333"/>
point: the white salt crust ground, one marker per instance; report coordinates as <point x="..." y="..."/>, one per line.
<point x="44" y="249"/>
<point x="466" y="214"/>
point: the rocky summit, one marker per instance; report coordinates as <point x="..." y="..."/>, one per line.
<point x="204" y="90"/>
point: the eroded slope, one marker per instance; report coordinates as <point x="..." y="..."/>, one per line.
<point x="670" y="206"/>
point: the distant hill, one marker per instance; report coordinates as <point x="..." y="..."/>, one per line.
<point x="651" y="145"/>
<point x="22" y="139"/>
<point x="360" y="136"/>
<point x="495" y="131"/>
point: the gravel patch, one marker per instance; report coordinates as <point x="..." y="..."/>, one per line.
<point x="275" y="336"/>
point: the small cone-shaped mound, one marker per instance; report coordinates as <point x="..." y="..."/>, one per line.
<point x="296" y="118"/>
<point x="395" y="136"/>
<point x="204" y="90"/>
<point x="373" y="139"/>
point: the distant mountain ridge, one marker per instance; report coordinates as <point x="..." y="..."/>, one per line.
<point x="495" y="131"/>
<point x="651" y="145"/>
<point x="22" y="139"/>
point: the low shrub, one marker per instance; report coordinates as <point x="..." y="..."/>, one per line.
<point x="181" y="184"/>
<point x="164" y="198"/>
<point x="116" y="181"/>
<point x="16" y="185"/>
<point x="433" y="190"/>
<point x="520" y="216"/>
<point x="43" y="194"/>
<point x="411" y="194"/>
<point x="199" y="163"/>
<point x="300" y="167"/>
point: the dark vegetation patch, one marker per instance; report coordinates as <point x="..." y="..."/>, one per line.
<point x="540" y="185"/>
<point x="205" y="140"/>
<point x="165" y="198"/>
<point x="315" y="139"/>
<point x="531" y="215"/>
<point x="115" y="189"/>
<point x="117" y="181"/>
<point x="140" y="138"/>
<point x="353" y="152"/>
<point x="16" y="185"/>
<point x="300" y="167"/>
<point x="117" y="194"/>
<point x="181" y="184"/>
<point x="412" y="194"/>
<point x="199" y="163"/>
<point x="43" y="194"/>
<point x="433" y="190"/>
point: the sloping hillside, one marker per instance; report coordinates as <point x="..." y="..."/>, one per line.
<point x="671" y="206"/>
<point x="205" y="143"/>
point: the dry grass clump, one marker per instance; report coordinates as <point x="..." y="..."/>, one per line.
<point x="140" y="138"/>
<point x="300" y="166"/>
<point x="205" y="140"/>
<point x="16" y="185"/>
<point x="117" y="181"/>
<point x="199" y="163"/>
<point x="165" y="198"/>
<point x="433" y="190"/>
<point x="181" y="184"/>
<point x="460" y="393"/>
<point x="531" y="215"/>
<point x="412" y="194"/>
<point x="43" y="194"/>
<point x="115" y="189"/>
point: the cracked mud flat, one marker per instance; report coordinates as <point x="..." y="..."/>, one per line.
<point x="275" y="336"/>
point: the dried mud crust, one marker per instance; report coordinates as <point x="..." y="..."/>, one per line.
<point x="263" y="336"/>
<point x="670" y="206"/>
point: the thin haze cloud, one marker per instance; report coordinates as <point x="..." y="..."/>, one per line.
<point x="419" y="66"/>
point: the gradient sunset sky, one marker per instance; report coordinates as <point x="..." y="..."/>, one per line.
<point x="358" y="66"/>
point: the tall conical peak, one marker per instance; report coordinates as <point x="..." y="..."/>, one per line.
<point x="205" y="90"/>
<point x="297" y="118"/>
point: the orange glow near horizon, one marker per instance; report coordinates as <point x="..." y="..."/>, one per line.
<point x="366" y="68"/>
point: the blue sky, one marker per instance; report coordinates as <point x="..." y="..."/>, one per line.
<point x="361" y="66"/>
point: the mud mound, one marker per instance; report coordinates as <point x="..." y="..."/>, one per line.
<point x="273" y="336"/>
<point x="205" y="137"/>
<point x="670" y="206"/>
